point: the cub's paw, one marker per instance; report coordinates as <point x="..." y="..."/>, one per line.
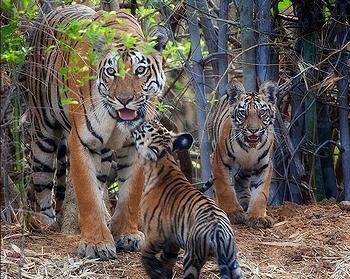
<point x="130" y="242"/>
<point x="237" y="217"/>
<point x="259" y="222"/>
<point x="103" y="250"/>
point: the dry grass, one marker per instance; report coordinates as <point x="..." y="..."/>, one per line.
<point x="306" y="242"/>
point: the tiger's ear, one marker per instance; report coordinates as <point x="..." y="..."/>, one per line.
<point x="182" y="141"/>
<point x="269" y="89"/>
<point x="234" y="90"/>
<point x="160" y="34"/>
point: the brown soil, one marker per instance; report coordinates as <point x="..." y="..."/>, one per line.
<point x="305" y="242"/>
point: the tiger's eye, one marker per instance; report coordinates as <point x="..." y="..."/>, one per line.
<point x="111" y="71"/>
<point x="140" y="70"/>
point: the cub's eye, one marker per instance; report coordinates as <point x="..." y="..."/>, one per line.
<point x="263" y="112"/>
<point x="140" y="70"/>
<point x="242" y="112"/>
<point x="111" y="71"/>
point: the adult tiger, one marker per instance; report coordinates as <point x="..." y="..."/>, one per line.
<point x="113" y="100"/>
<point x="242" y="132"/>
<point x="176" y="215"/>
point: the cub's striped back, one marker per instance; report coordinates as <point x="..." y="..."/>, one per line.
<point x="175" y="215"/>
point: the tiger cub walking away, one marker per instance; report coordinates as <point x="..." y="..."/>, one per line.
<point x="242" y="133"/>
<point x="176" y="215"/>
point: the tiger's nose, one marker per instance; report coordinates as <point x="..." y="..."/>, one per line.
<point x="125" y="100"/>
<point x="253" y="131"/>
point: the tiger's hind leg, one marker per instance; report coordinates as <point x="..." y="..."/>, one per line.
<point x="241" y="184"/>
<point x="44" y="154"/>
<point x="168" y="258"/>
<point x="192" y="265"/>
<point x="155" y="267"/>
<point x="61" y="175"/>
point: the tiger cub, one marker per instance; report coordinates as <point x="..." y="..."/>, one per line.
<point x="242" y="133"/>
<point x="176" y="215"/>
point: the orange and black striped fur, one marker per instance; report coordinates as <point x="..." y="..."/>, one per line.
<point x="176" y="215"/>
<point x="242" y="133"/>
<point x="102" y="111"/>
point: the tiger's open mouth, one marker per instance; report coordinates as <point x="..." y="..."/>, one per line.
<point x="127" y="114"/>
<point x="253" y="138"/>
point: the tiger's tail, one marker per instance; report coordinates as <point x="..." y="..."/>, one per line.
<point x="226" y="254"/>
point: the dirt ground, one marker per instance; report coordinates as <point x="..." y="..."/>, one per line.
<point x="305" y="242"/>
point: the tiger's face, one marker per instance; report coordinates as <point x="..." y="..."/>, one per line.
<point x="253" y="114"/>
<point x="127" y="79"/>
<point x="153" y="141"/>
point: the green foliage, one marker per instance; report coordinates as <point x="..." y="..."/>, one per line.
<point x="114" y="187"/>
<point x="13" y="48"/>
<point x="68" y="101"/>
<point x="196" y="165"/>
<point x="284" y="5"/>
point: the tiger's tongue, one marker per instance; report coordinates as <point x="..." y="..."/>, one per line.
<point x="253" y="138"/>
<point x="127" y="114"/>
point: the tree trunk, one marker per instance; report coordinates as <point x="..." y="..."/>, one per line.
<point x="264" y="29"/>
<point x="248" y="41"/>
<point x="222" y="47"/>
<point x="210" y="37"/>
<point x="343" y="33"/>
<point x="198" y="85"/>
<point x="309" y="15"/>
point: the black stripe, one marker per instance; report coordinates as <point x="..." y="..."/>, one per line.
<point x="89" y="126"/>
<point x="263" y="155"/>
<point x="263" y="144"/>
<point x="62" y="170"/>
<point x="102" y="178"/>
<point x="229" y="153"/>
<point x="260" y="170"/>
<point x="84" y="144"/>
<point x="44" y="148"/>
<point x="42" y="167"/>
<point x="46" y="208"/>
<point x="41" y="187"/>
<point x="62" y="151"/>
<point x="242" y="145"/>
<point x="256" y="185"/>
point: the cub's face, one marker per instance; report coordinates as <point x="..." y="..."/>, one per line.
<point x="253" y="114"/>
<point x="153" y="141"/>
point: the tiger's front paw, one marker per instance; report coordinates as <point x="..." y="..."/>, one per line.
<point x="237" y="217"/>
<point x="130" y="242"/>
<point x="259" y="222"/>
<point x="102" y="250"/>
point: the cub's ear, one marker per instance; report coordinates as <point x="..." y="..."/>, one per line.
<point x="269" y="89"/>
<point x="160" y="34"/>
<point x="182" y="141"/>
<point x="234" y="90"/>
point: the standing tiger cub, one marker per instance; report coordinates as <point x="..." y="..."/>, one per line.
<point x="109" y="85"/>
<point x="242" y="132"/>
<point x="176" y="215"/>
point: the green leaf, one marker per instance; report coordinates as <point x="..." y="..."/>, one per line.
<point x="284" y="5"/>
<point x="68" y="101"/>
<point x="160" y="105"/>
